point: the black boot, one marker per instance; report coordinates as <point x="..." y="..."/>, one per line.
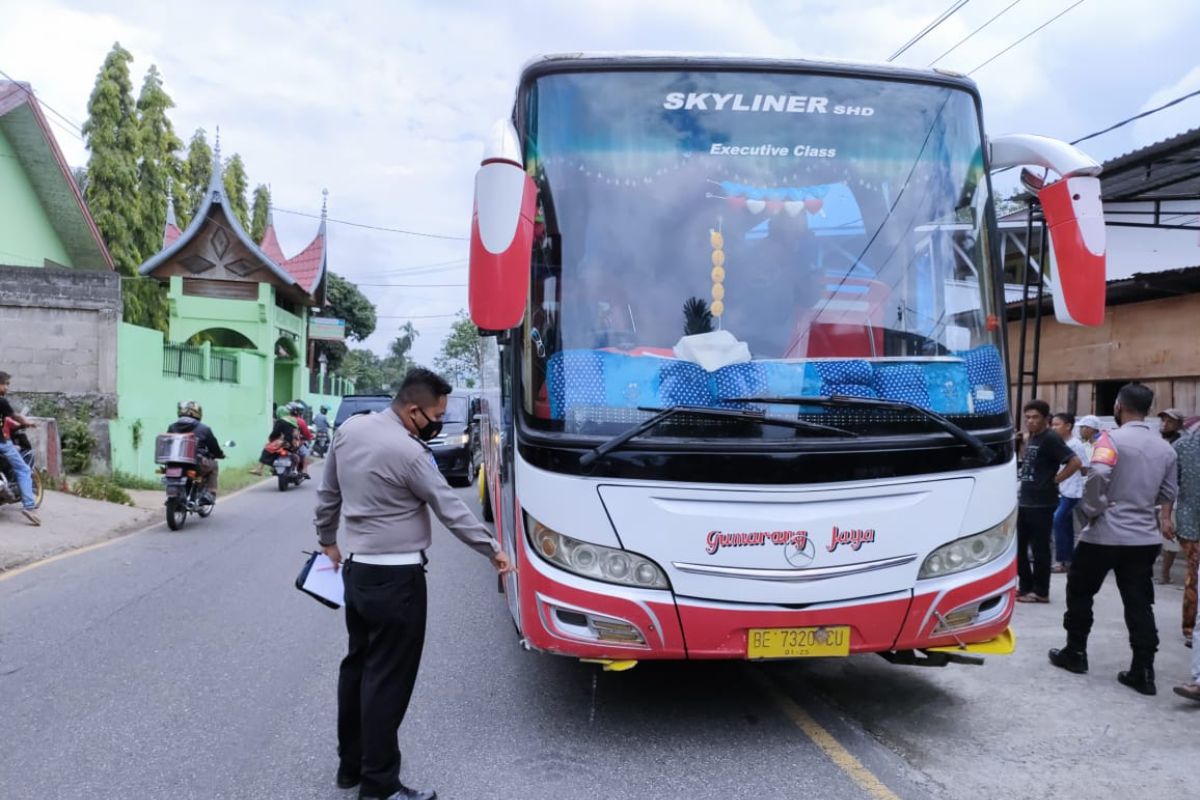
<point x="1070" y="660"/>
<point x="1140" y="679"/>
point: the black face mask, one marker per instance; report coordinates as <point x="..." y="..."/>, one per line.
<point x="430" y="429"/>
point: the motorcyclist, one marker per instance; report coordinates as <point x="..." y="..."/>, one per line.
<point x="321" y="423"/>
<point x="306" y="436"/>
<point x="208" y="449"/>
<point x="12" y="455"/>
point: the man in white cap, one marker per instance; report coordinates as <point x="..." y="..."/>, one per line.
<point x="1172" y="424"/>
<point x="1088" y="428"/>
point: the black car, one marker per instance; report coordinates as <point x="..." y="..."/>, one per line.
<point x="355" y="404"/>
<point x="452" y="447"/>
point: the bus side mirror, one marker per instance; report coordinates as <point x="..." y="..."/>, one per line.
<point x="1075" y="220"/>
<point x="501" y="244"/>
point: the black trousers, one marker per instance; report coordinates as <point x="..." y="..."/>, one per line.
<point x="1134" y="567"/>
<point x="385" y="617"/>
<point x="1034" y="529"/>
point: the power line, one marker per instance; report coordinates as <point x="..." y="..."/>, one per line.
<point x="372" y="227"/>
<point x="417" y="285"/>
<point x="75" y="129"/>
<point x="1136" y="117"/>
<point x="419" y="316"/>
<point x="928" y="29"/>
<point x="972" y="33"/>
<point x="1026" y="36"/>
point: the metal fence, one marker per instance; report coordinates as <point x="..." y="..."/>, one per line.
<point x="185" y="361"/>
<point x="182" y="361"/>
<point x="223" y="368"/>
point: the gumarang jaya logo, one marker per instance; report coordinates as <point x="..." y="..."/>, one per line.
<point x="799" y="544"/>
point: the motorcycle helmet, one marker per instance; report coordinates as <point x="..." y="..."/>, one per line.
<point x="324" y="409"/>
<point x="190" y="408"/>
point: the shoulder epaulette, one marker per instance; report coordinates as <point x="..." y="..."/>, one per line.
<point x="1105" y="451"/>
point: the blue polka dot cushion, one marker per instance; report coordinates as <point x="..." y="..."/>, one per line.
<point x="574" y="377"/>
<point x="684" y="384"/>
<point x="985" y="371"/>
<point x="904" y="383"/>
<point x="852" y="378"/>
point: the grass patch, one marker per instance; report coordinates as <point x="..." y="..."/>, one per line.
<point x="127" y="480"/>
<point x="99" y="487"/>
<point x="231" y="479"/>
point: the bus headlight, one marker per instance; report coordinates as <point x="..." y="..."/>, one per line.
<point x="970" y="551"/>
<point x="593" y="560"/>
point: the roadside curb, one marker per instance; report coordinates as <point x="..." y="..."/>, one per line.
<point x="125" y="531"/>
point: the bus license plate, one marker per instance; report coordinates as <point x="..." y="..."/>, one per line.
<point x="831" y="640"/>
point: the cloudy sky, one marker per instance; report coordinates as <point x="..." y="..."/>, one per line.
<point x="386" y="103"/>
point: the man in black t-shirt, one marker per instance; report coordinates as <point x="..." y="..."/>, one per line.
<point x="1047" y="462"/>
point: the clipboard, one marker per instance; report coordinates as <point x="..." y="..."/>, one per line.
<point x="320" y="579"/>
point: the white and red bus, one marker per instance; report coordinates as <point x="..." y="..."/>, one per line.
<point x="745" y="391"/>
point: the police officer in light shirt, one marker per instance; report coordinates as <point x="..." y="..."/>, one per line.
<point x="380" y="482"/>
<point x="1131" y="475"/>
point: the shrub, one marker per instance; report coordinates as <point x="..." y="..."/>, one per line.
<point x="127" y="480"/>
<point x="78" y="442"/>
<point x="96" y="487"/>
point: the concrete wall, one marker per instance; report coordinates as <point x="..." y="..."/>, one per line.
<point x="59" y="331"/>
<point x="26" y="236"/>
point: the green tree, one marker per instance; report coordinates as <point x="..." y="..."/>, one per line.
<point x="462" y="350"/>
<point x="398" y="360"/>
<point x="236" y="185"/>
<point x="111" y="135"/>
<point x="197" y="173"/>
<point x="366" y="370"/>
<point x="346" y="302"/>
<point x="158" y="162"/>
<point x="259" y="212"/>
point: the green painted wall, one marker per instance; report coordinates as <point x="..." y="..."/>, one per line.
<point x="234" y="411"/>
<point x="26" y="235"/>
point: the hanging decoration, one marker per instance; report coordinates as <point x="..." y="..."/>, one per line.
<point x="718" y="273"/>
<point x="772" y="201"/>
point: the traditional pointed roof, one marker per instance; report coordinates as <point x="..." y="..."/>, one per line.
<point x="270" y="242"/>
<point x="27" y="129"/>
<point x="296" y="273"/>
<point x="308" y="266"/>
<point x="171" y="230"/>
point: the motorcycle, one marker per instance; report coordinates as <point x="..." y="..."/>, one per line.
<point x="321" y="444"/>
<point x="10" y="492"/>
<point x="287" y="471"/>
<point x="176" y="453"/>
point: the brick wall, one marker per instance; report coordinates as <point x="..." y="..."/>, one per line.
<point x="58" y="338"/>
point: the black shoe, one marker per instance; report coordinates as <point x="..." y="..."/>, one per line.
<point x="1070" y="660"/>
<point x="347" y="780"/>
<point x="405" y="793"/>
<point x="1140" y="679"/>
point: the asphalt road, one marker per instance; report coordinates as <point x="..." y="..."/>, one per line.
<point x="184" y="665"/>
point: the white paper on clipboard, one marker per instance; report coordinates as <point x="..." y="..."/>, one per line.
<point x="325" y="579"/>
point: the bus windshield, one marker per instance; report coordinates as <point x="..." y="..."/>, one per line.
<point x="706" y="237"/>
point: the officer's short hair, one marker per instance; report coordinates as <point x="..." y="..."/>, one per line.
<point x="1136" y="398"/>
<point x="422" y="387"/>
<point x="5" y="377"/>
<point x="1040" y="406"/>
<point x="1067" y="417"/>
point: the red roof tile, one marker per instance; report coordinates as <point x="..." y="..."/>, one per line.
<point x="306" y="266"/>
<point x="270" y="246"/>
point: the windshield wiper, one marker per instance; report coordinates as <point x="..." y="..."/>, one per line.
<point x="590" y="457"/>
<point x="968" y="438"/>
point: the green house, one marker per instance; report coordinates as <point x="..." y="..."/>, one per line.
<point x="238" y="339"/>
